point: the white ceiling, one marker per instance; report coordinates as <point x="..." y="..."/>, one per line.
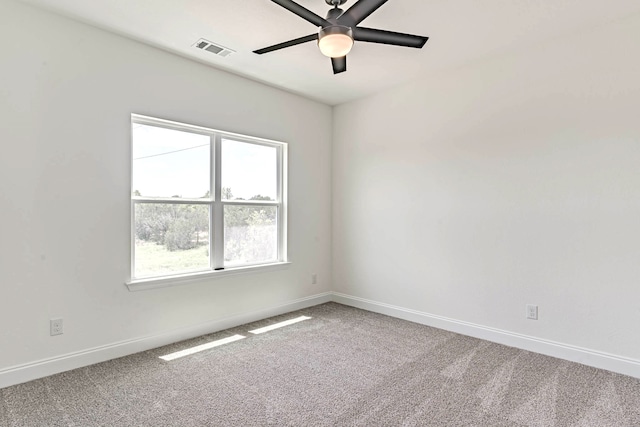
<point x="460" y="31"/>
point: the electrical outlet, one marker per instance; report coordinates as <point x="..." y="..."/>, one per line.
<point x="314" y="278"/>
<point x="55" y="326"/>
<point x="532" y="312"/>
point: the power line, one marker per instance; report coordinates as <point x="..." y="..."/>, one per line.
<point x="169" y="152"/>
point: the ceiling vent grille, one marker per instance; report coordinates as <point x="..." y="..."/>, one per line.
<point x="216" y="49"/>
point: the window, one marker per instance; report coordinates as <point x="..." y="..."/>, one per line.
<point x="203" y="200"/>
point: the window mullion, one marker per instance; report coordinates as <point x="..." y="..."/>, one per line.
<point x="281" y="217"/>
<point x="133" y="237"/>
<point x="218" y="209"/>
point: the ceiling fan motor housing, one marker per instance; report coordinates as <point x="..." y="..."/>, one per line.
<point x="334" y="14"/>
<point x="335" y="2"/>
<point x="335" y="29"/>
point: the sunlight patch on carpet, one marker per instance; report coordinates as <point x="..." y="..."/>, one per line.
<point x="279" y="325"/>
<point x="199" y="348"/>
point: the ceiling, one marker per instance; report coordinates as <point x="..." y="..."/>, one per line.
<point x="460" y="31"/>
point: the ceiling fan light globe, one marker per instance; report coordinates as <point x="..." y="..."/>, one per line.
<point x="335" y="41"/>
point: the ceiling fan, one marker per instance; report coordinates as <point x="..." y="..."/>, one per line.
<point x="339" y="30"/>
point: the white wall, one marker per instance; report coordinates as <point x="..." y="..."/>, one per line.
<point x="507" y="182"/>
<point x="66" y="94"/>
<point x="466" y="195"/>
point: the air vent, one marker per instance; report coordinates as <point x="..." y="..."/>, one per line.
<point x="213" y="48"/>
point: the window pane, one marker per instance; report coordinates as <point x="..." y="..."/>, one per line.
<point x="170" y="163"/>
<point x="249" y="171"/>
<point x="250" y="234"/>
<point x="170" y="238"/>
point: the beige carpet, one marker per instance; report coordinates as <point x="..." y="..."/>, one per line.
<point x="342" y="367"/>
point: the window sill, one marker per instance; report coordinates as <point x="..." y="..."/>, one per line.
<point x="180" y="279"/>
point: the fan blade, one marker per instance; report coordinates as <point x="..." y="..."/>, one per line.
<point x="303" y="12"/>
<point x="388" y="37"/>
<point x="359" y="11"/>
<point x="339" y="64"/>
<point x="290" y="43"/>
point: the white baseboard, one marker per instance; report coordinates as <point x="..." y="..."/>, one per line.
<point x="42" y="368"/>
<point x="610" y="362"/>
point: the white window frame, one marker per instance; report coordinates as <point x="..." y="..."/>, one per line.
<point x="216" y="211"/>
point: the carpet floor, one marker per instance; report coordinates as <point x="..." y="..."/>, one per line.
<point x="341" y="367"/>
